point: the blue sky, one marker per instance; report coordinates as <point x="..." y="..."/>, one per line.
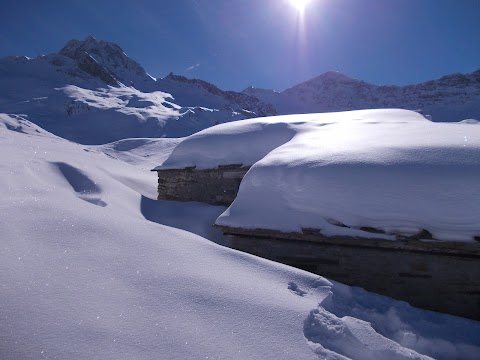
<point x="264" y="43"/>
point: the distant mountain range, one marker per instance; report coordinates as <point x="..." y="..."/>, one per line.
<point x="91" y="92"/>
<point x="451" y="98"/>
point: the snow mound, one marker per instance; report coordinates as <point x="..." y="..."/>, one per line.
<point x="469" y="121"/>
<point x="21" y="124"/>
<point x="390" y="170"/>
<point x="242" y="142"/>
<point x="92" y="267"/>
<point x="143" y="152"/>
<point x="352" y="324"/>
<point x="354" y="338"/>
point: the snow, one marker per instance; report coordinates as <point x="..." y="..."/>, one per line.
<point x="391" y="170"/>
<point x="469" y="121"/>
<point x="58" y="94"/>
<point x="240" y="142"/>
<point x="68" y="93"/>
<point x="451" y="98"/>
<point x="144" y="152"/>
<point x="109" y="56"/>
<point x="91" y="266"/>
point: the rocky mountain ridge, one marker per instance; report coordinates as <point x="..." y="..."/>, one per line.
<point x="92" y="92"/>
<point x="451" y="98"/>
<point x="107" y="61"/>
<point x="199" y="91"/>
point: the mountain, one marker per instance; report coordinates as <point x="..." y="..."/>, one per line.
<point x="451" y="98"/>
<point x="91" y="92"/>
<point x="106" y="61"/>
<point x="201" y="93"/>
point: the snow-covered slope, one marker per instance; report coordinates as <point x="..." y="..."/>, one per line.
<point x="194" y="92"/>
<point x="451" y="98"/>
<point x="92" y="267"/>
<point x="389" y="170"/>
<point x="91" y="92"/>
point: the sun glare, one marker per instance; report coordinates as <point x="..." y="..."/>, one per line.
<point x="299" y="4"/>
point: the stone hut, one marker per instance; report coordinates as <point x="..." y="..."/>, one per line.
<point x="442" y="276"/>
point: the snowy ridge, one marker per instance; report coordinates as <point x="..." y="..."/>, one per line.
<point x="198" y="92"/>
<point x="451" y="98"/>
<point x="92" y="266"/>
<point x="20" y="124"/>
<point x="91" y="92"/>
<point x="390" y="170"/>
<point x="110" y="58"/>
<point x="40" y="88"/>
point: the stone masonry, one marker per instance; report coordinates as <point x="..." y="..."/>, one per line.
<point x="436" y="275"/>
<point x="212" y="186"/>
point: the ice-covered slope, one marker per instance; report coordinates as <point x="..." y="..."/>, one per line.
<point x="389" y="170"/>
<point x="91" y="92"/>
<point x="451" y="98"/>
<point x="90" y="268"/>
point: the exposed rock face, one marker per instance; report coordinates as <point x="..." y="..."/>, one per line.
<point x="100" y="57"/>
<point x="90" y="66"/>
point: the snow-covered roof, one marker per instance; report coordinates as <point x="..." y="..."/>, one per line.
<point x="389" y="169"/>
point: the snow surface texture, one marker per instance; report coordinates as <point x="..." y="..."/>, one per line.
<point x="91" y="267"/>
<point x="391" y="170"/>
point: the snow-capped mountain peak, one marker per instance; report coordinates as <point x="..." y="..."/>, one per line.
<point x="92" y="92"/>
<point x="91" y="53"/>
<point x="332" y="76"/>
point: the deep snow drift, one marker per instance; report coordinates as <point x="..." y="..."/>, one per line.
<point x="90" y="267"/>
<point x="391" y="170"/>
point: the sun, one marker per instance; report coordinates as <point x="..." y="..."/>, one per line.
<point x="300" y="4"/>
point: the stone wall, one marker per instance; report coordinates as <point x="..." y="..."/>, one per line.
<point x="443" y="277"/>
<point x="439" y="276"/>
<point x="213" y="186"/>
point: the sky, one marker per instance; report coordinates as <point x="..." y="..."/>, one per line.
<point x="262" y="43"/>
